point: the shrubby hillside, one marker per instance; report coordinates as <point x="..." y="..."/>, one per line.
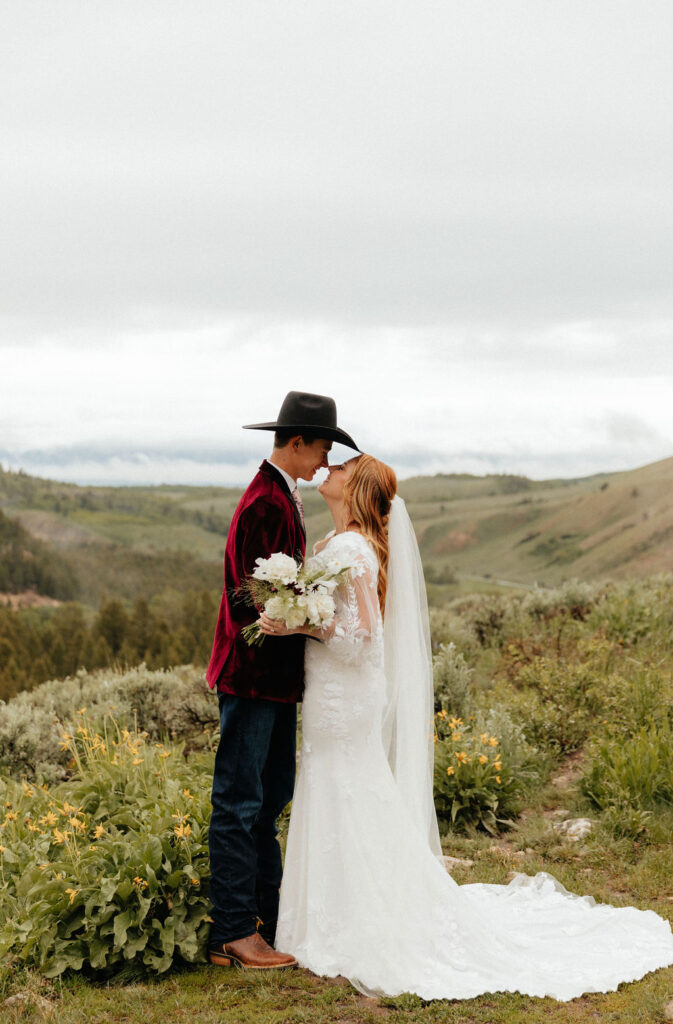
<point x="549" y="705"/>
<point x="27" y="563"/>
<point x="475" y="533"/>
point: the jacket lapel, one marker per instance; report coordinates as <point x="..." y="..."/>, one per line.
<point x="279" y="478"/>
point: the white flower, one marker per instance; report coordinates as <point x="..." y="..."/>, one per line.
<point x="278" y="568"/>
<point x="314" y="565"/>
<point x="320" y="608"/>
<point x="295" y="617"/>
<point x="275" y="607"/>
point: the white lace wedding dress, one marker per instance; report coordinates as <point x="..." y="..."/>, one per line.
<point x="363" y="893"/>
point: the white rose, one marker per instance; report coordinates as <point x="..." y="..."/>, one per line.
<point x="275" y="607"/>
<point x="325" y="607"/>
<point x="278" y="567"/>
<point x="283" y="568"/>
<point x="295" y="617"/>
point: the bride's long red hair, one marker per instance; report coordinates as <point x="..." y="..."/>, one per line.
<point x="368" y="493"/>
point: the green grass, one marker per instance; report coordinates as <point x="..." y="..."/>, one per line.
<point x="212" y="995"/>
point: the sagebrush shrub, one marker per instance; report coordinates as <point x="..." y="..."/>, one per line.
<point x="164" y="703"/>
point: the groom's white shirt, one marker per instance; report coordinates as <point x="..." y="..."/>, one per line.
<point x="288" y="479"/>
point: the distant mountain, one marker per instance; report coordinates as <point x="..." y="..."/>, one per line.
<point x="474" y="532"/>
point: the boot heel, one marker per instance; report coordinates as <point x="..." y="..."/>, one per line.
<point x="219" y="959"/>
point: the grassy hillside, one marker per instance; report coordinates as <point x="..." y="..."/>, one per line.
<point x="613" y="525"/>
<point x="474" y="532"/>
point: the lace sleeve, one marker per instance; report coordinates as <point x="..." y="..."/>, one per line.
<point x="357" y="617"/>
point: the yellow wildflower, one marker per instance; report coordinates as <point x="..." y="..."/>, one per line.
<point x="497" y="764"/>
<point x="183" y="831"/>
<point x="164" y="753"/>
<point x="49" y="818"/>
<point x="457" y="737"/>
<point x="78" y="824"/>
<point x="31" y="827"/>
<point x="59" y="875"/>
<point x="43" y="867"/>
<point x="59" y="837"/>
<point x="450" y="770"/>
<point x="187" y="794"/>
<point x="72" y="892"/>
<point x="28" y="790"/>
<point x="493" y="742"/>
<point x="455" y="722"/>
<point x="125" y="734"/>
<point x="497" y="779"/>
<point x="2" y="849"/>
<point x="82" y="730"/>
<point x="140" y="882"/>
<point x="482" y="759"/>
<point x="10" y="816"/>
<point x="98" y="832"/>
<point x="82" y="711"/>
<point x="69" y="809"/>
<point x="461" y="757"/>
<point x="442" y="713"/>
<point x="195" y="881"/>
<point x="65" y="741"/>
<point x="137" y="760"/>
<point x="484" y="737"/>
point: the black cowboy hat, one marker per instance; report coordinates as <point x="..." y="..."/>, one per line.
<point x="310" y="414"/>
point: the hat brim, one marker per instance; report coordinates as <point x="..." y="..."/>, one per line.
<point x="329" y="433"/>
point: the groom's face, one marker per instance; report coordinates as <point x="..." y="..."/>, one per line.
<point x="311" y="457"/>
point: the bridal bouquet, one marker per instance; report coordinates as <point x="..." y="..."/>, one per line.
<point x="296" y="594"/>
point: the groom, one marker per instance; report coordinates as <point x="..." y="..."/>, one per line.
<point x="258" y="690"/>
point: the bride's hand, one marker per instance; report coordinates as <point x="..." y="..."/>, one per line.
<point x="274" y="627"/>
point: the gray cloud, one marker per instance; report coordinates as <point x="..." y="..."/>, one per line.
<point x="411" y="164"/>
<point x="456" y="218"/>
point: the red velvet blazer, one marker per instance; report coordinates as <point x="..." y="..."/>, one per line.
<point x="266" y="520"/>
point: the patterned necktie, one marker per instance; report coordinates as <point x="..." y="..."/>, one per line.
<point x="299" y="504"/>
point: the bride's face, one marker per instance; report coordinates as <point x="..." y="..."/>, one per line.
<point x="333" y="486"/>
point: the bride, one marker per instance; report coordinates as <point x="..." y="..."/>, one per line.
<point x="365" y="893"/>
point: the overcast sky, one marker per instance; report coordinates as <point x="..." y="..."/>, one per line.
<point x="454" y="217"/>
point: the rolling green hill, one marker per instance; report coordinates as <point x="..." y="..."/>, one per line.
<point x="474" y="532"/>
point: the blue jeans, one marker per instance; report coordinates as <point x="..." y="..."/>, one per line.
<point x="253" y="782"/>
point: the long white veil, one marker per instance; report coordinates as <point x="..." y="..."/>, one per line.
<point x="408" y="727"/>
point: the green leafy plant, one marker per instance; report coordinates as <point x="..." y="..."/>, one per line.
<point x="107" y="872"/>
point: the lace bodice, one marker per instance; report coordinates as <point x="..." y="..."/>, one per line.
<point x="357" y="629"/>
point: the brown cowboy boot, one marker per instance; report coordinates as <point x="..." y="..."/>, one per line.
<point x="251" y="953"/>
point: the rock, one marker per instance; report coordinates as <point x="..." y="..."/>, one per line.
<point x="26" y="998"/>
<point x="668" y="1010"/>
<point x="458" y="862"/>
<point x="574" y="828"/>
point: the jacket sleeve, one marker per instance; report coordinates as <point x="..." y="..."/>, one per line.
<point x="263" y="531"/>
